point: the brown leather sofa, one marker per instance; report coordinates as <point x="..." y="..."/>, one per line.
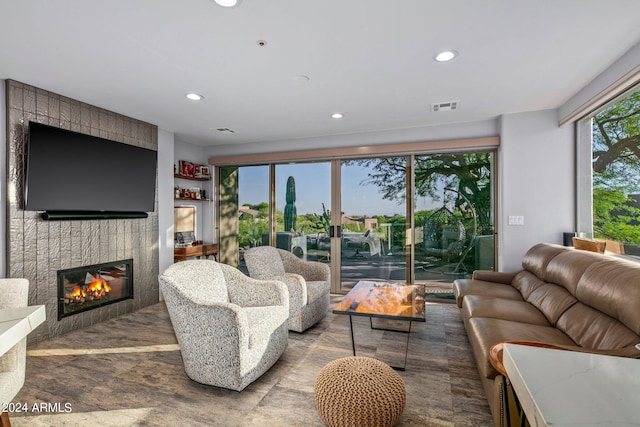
<point x="582" y="301"/>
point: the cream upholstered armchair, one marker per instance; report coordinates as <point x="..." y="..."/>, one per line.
<point x="14" y="293"/>
<point x="308" y="282"/>
<point x="231" y="328"/>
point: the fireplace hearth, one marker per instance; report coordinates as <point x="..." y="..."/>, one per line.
<point x="88" y="287"/>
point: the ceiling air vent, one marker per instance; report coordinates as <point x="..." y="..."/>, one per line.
<point x="445" y="106"/>
<point x="226" y="130"/>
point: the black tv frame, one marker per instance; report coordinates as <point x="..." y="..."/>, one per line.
<point x="79" y="214"/>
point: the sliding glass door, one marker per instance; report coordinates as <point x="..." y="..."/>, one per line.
<point x="453" y="215"/>
<point x="243" y="211"/>
<point x="373" y="220"/>
<point x="302" y="209"/>
<point x="411" y="218"/>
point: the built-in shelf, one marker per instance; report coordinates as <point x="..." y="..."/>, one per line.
<point x="190" y="178"/>
<point x="193" y="213"/>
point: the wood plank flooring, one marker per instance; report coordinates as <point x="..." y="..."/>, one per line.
<point x="128" y="372"/>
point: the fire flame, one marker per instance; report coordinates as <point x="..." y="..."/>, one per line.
<point x="98" y="287"/>
<point x="77" y="292"/>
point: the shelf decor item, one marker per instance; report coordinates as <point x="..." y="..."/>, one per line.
<point x="187" y="168"/>
<point x="202" y="171"/>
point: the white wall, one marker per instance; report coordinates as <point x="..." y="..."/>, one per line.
<point x="204" y="210"/>
<point x="165" y="199"/>
<point x="536" y="180"/>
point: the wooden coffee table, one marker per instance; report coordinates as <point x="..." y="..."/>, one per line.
<point x="384" y="300"/>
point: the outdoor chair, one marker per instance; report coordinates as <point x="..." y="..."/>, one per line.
<point x="231" y="328"/>
<point x="308" y="282"/>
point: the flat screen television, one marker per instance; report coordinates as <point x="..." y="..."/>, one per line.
<point x="72" y="172"/>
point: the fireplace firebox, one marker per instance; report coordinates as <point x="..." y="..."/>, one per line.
<point x="92" y="286"/>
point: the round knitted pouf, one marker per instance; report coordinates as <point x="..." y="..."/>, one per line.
<point x="359" y="391"/>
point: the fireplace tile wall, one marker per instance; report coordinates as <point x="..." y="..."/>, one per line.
<point x="36" y="249"/>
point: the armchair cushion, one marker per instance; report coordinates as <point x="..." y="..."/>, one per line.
<point x="308" y="282"/>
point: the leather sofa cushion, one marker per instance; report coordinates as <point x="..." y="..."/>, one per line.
<point x="485" y="332"/>
<point x="526" y="282"/>
<point x="537" y="258"/>
<point x="590" y="328"/>
<point x="552" y="300"/>
<point x="462" y="287"/>
<point x="567" y="268"/>
<point x="502" y="308"/>
<point x="611" y="286"/>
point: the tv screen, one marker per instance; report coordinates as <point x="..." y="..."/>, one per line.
<point x="70" y="171"/>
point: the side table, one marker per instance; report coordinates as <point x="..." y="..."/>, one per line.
<point x="197" y="251"/>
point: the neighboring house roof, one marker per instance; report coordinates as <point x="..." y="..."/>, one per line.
<point x="247" y="210"/>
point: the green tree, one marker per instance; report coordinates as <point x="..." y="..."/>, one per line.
<point x="252" y="228"/>
<point x="616" y="170"/>
<point x="468" y="175"/>
<point x="615" y="216"/>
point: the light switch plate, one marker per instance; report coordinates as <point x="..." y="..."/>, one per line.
<point x="516" y="220"/>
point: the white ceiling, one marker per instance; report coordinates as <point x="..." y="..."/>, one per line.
<point x="369" y="59"/>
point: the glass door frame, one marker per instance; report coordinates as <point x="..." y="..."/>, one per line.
<point x="335" y="157"/>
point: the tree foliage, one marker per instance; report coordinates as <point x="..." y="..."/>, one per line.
<point x="616" y="140"/>
<point x="616" y="170"/>
<point x="615" y="215"/>
<point x="468" y="175"/>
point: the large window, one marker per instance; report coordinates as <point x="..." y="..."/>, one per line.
<point x="611" y="139"/>
<point x="414" y="216"/>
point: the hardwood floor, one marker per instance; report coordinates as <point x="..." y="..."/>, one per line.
<point x="128" y="371"/>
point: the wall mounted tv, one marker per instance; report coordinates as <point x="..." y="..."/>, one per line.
<point x="72" y="175"/>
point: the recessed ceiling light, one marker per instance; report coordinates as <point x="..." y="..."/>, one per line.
<point x="228" y="3"/>
<point x="445" y="55"/>
<point x="194" y="96"/>
<point x="337" y="115"/>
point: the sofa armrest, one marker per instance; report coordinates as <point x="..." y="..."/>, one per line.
<point x="494" y="276"/>
<point x="496" y="352"/>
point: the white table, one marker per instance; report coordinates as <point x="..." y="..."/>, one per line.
<point x="562" y="388"/>
<point x="17" y="323"/>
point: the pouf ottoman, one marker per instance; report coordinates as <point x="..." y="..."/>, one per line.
<point x="359" y="391"/>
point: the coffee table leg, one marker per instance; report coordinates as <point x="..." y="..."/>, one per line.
<point x="406" y="350"/>
<point x="353" y="343"/>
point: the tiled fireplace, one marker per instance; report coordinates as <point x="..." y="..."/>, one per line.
<point x="38" y="249"/>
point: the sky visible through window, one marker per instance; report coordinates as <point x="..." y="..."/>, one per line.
<point x="313" y="188"/>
